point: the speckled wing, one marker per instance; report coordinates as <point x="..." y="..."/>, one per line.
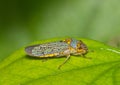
<point x="46" y="49"/>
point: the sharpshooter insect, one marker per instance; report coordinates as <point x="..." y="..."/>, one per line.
<point x="61" y="48"/>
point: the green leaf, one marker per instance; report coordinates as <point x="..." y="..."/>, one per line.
<point x="102" y="69"/>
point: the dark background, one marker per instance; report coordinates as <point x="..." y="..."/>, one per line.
<point x="26" y="21"/>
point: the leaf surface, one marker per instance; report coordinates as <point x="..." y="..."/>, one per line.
<point x="102" y="69"/>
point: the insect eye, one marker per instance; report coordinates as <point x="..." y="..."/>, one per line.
<point x="81" y="45"/>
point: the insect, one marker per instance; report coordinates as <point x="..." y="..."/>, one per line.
<point x="61" y="48"/>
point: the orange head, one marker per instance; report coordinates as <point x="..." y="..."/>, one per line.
<point x="77" y="46"/>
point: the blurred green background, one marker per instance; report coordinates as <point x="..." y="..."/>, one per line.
<point x="26" y="21"/>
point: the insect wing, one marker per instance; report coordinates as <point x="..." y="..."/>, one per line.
<point x="47" y="49"/>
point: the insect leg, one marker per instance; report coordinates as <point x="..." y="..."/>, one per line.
<point x="68" y="57"/>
